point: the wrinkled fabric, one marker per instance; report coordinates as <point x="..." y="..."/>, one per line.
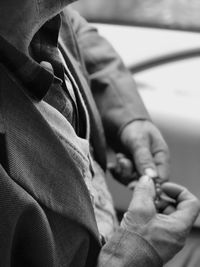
<point x="46" y="209"/>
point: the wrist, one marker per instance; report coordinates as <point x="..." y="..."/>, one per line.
<point x="125" y="127"/>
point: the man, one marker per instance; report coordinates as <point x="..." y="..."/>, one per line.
<point x="53" y="148"/>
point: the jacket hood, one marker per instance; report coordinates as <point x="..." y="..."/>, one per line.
<point x="21" y="19"/>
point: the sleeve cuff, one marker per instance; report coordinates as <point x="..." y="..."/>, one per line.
<point x="129" y="249"/>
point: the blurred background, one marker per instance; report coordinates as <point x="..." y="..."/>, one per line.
<point x="181" y="14"/>
<point x="159" y="42"/>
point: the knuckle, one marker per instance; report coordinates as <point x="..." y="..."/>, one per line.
<point x="185" y="191"/>
<point x="196" y="203"/>
<point x="162" y="149"/>
<point x="142" y="189"/>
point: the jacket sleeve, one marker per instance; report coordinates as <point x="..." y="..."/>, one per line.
<point x="112" y="85"/>
<point x="128" y="249"/>
<point x="33" y="235"/>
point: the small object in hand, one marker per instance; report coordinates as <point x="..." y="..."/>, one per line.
<point x="157" y="183"/>
<point x="160" y="195"/>
<point x="123" y="169"/>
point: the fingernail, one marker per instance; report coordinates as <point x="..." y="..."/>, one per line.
<point x="151" y="173"/>
<point x="145" y="179"/>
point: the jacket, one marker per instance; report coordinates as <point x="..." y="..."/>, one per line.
<point x="46" y="212"/>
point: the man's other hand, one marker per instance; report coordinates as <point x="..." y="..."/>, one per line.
<point x="147" y="147"/>
<point x="166" y="232"/>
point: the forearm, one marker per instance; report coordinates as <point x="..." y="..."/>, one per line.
<point x="112" y="85"/>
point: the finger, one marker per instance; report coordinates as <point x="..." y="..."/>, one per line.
<point x="143" y="157"/>
<point x="144" y="195"/>
<point x="169" y="210"/>
<point x="132" y="185"/>
<point x="112" y="167"/>
<point x="125" y="163"/>
<point x="187" y="211"/>
<point x="161" y="205"/>
<point x="128" y="171"/>
<point x="188" y="205"/>
<point x="161" y="160"/>
<point x="126" y="167"/>
<point x="173" y="189"/>
<point x="162" y="202"/>
<point x="161" y="154"/>
<point x="122" y="171"/>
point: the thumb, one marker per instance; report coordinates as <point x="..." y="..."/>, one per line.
<point x="143" y="195"/>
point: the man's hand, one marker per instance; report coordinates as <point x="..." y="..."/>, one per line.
<point x="166" y="232"/>
<point x="122" y="169"/>
<point x="147" y="148"/>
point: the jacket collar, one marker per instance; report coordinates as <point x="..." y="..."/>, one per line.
<point x="32" y="75"/>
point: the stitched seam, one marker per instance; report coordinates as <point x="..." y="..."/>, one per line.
<point x="145" y="241"/>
